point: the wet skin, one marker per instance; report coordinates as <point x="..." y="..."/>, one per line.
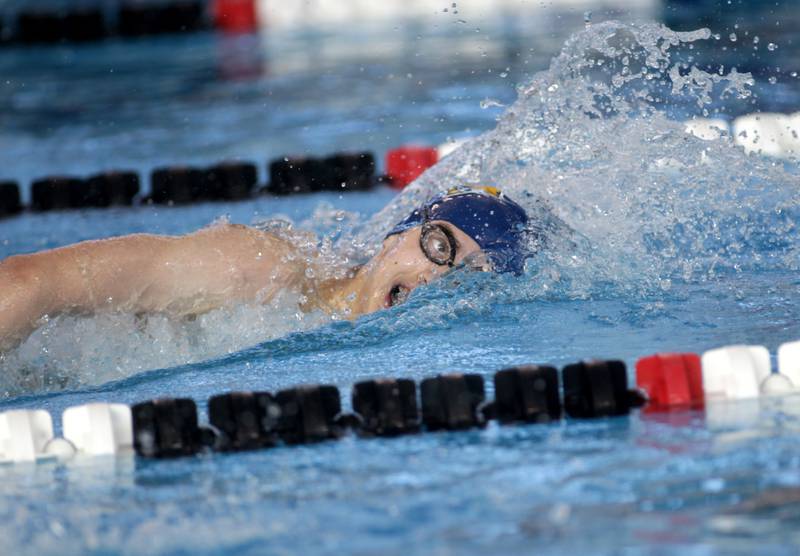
<point x="192" y="274"/>
<point x="400" y="267"/>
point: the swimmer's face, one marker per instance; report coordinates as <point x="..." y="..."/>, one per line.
<point x="415" y="257"/>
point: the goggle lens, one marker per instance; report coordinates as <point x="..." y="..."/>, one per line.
<point x="438" y="244"/>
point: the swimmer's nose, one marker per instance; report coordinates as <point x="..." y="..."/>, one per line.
<point x="415" y="277"/>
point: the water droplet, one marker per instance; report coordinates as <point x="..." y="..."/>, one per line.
<point x="773" y="80"/>
<point x="732" y="37"/>
<point x="491" y="103"/>
<point x="756" y="40"/>
<point x="772" y="47"/>
<point x="713" y="485"/>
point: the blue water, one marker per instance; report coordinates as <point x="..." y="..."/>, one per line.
<point x="661" y="260"/>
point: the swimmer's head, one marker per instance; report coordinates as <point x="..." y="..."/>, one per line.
<point x="495" y="222"/>
<point x="475" y="227"/>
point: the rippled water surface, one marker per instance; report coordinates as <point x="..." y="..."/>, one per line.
<point x="650" y="240"/>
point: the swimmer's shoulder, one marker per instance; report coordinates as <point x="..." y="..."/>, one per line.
<point x="240" y="237"/>
<point x="236" y="232"/>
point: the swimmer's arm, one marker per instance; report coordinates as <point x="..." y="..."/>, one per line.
<point x="142" y="273"/>
<point x="21" y="299"/>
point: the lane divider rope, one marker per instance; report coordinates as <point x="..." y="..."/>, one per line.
<point x="224" y="181"/>
<point x="82" y="24"/>
<point x="238" y="421"/>
<point x="776" y="135"/>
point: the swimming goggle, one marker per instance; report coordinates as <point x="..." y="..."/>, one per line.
<point x="496" y="223"/>
<point x="438" y="244"/>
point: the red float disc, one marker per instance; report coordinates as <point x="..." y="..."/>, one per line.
<point x="671" y="379"/>
<point x="236" y="16"/>
<point x="407" y="163"/>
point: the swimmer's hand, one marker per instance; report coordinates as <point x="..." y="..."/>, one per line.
<point x="144" y="274"/>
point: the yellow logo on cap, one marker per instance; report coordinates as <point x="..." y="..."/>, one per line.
<point x="491" y="190"/>
<point x="454" y="191"/>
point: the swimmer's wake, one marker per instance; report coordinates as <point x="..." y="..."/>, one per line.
<point x="623" y="202"/>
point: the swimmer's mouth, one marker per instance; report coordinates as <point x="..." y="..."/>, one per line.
<point x="397" y="295"/>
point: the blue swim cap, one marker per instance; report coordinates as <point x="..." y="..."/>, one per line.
<point x="494" y="221"/>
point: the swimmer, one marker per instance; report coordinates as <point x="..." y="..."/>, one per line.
<point x="228" y="264"/>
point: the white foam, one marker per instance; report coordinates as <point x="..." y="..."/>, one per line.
<point x="590" y="142"/>
<point x="708" y="129"/>
<point x="769" y="134"/>
<point x="71" y="351"/>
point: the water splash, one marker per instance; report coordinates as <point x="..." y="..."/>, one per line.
<point x="69" y="351"/>
<point x="594" y="139"/>
<point x="626" y="204"/>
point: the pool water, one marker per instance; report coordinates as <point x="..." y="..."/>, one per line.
<point x="652" y="241"/>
